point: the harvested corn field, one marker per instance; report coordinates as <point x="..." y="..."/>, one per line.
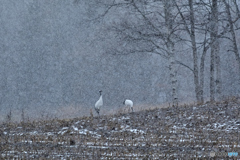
<point x="184" y="132"/>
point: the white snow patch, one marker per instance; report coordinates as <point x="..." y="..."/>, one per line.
<point x="75" y="128"/>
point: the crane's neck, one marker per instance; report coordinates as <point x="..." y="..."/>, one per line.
<point x="100" y="98"/>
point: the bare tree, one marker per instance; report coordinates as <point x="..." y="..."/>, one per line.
<point x="158" y="27"/>
<point x="169" y="21"/>
<point x="207" y="27"/>
<point x="232" y="29"/>
<point x="191" y="32"/>
<point x="192" y="26"/>
<point x="149" y="28"/>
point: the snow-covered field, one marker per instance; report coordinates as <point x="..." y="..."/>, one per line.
<point x="185" y="132"/>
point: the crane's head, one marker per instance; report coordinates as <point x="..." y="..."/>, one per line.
<point x="100" y="91"/>
<point x="124" y="101"/>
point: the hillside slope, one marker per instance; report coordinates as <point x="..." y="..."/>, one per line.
<point x="167" y="133"/>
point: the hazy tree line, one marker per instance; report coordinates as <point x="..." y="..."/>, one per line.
<point x="56" y="54"/>
<point x="197" y="26"/>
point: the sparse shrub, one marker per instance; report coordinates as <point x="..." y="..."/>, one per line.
<point x="91" y="113"/>
<point x="9" y="116"/>
<point x="23" y="116"/>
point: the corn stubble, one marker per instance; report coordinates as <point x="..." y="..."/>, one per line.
<point x="184" y="132"/>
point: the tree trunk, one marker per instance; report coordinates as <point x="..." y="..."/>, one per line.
<point x="212" y="84"/>
<point x="218" y="74"/>
<point x="195" y="55"/>
<point x="214" y="49"/>
<point x="201" y="83"/>
<point x="172" y="70"/>
<point x="217" y="53"/>
<point x="170" y="47"/>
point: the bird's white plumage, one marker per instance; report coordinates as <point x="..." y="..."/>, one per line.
<point x="129" y="103"/>
<point x="99" y="103"/>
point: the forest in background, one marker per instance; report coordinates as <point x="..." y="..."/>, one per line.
<point x="56" y="55"/>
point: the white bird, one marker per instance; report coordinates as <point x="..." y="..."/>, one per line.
<point x="99" y="103"/>
<point x="128" y="103"/>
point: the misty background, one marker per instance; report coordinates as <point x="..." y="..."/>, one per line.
<point x="56" y="55"/>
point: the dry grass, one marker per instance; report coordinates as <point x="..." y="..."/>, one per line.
<point x="186" y="132"/>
